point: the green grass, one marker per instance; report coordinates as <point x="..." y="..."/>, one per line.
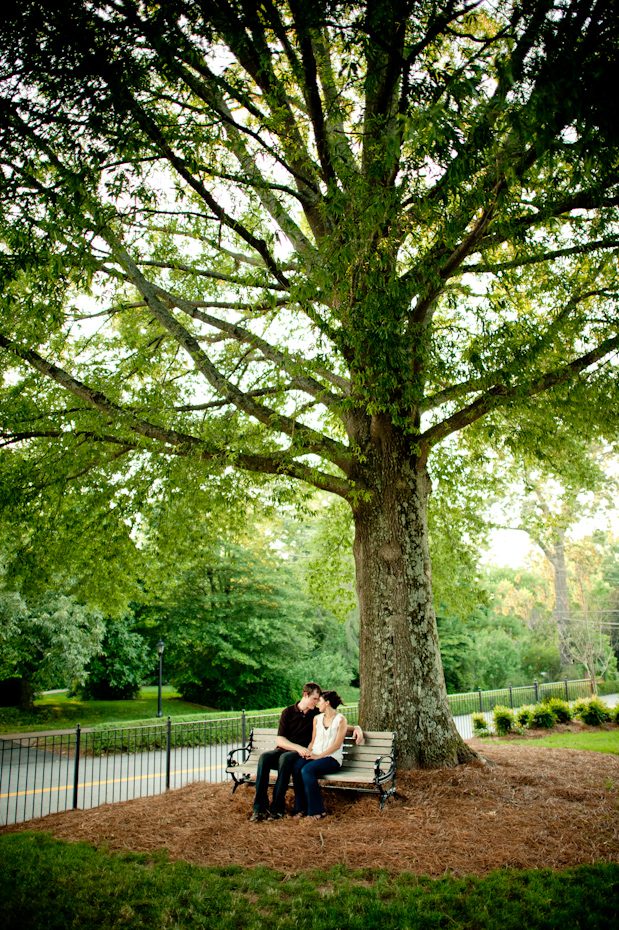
<point x="61" y="712"/>
<point x="592" y="740"/>
<point x="47" y="884"/>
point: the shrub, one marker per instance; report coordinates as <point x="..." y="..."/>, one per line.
<point x="543" y="716"/>
<point x="504" y="720"/>
<point x="607" y="687"/>
<point x="119" y="669"/>
<point x="524" y="715"/>
<point x="561" y="710"/>
<point x="207" y="691"/>
<point x="592" y="711"/>
<point x="615" y="713"/>
<point x="480" y="725"/>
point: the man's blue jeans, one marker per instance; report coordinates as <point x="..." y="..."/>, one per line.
<point x="282" y="761"/>
<point x="305" y="775"/>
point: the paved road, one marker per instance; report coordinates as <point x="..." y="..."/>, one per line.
<point x="35" y="782"/>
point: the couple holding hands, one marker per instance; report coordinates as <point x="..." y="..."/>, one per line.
<point x="309" y="745"/>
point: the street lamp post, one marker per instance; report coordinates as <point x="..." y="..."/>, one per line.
<point x="160" y="648"/>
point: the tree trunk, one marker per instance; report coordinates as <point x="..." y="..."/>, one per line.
<point x="402" y="681"/>
<point x="26" y="694"/>
<point x="556" y="557"/>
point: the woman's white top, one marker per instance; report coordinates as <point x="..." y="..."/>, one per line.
<point x="327" y="735"/>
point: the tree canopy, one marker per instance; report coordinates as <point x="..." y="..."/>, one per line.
<point x="319" y="239"/>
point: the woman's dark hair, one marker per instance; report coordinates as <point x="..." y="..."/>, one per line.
<point x="333" y="698"/>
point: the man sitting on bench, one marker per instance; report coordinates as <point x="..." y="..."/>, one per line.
<point x="294" y="735"/>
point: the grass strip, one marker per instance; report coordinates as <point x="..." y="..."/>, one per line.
<point x="48" y="884"/>
<point x="589" y="740"/>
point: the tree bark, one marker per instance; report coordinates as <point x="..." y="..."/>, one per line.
<point x="26" y="694"/>
<point x="402" y="681"/>
<point x="556" y="557"/>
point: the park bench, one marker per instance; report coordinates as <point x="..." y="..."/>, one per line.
<point x="367" y="768"/>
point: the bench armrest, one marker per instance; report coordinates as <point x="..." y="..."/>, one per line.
<point x="384" y="768"/>
<point x="246" y="750"/>
<point x="232" y="761"/>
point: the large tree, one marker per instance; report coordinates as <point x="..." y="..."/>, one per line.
<point x="324" y="238"/>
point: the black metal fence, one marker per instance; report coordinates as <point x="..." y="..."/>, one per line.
<point x="484" y="701"/>
<point x="44" y="773"/>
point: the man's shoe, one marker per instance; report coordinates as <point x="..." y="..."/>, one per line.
<point x="258" y="817"/>
<point x="275" y="815"/>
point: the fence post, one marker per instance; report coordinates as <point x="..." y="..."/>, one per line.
<point x="567" y="693"/>
<point x="536" y="690"/>
<point x="481" y="706"/>
<point x="243" y="729"/>
<point x="168" y="753"/>
<point x="76" y="766"/>
<point x="511" y="697"/>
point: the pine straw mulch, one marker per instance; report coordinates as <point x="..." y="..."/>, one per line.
<point x="527" y="807"/>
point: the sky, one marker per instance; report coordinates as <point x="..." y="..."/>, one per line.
<point x="511" y="548"/>
<point x="514" y="549"/>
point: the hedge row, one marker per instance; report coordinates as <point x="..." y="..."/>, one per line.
<point x="547" y="713"/>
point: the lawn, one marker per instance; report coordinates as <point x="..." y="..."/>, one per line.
<point x="59" y="711"/>
<point x="590" y="740"/>
<point x="100" y="890"/>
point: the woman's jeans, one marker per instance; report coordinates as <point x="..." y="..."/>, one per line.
<point x="305" y="775"/>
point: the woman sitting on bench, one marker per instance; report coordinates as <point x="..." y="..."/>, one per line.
<point x="325" y="757"/>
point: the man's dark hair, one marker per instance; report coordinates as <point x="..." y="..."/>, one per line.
<point x="310" y="687"/>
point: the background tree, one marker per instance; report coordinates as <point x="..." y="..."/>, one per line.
<point x="120" y="667"/>
<point x="234" y="630"/>
<point x="47" y="643"/>
<point x="515" y="637"/>
<point x="324" y="239"/>
<point x="609" y="607"/>
<point x="553" y="495"/>
<point x="590" y="625"/>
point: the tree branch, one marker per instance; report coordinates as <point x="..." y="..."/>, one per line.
<point x="335" y="123"/>
<point x="310" y="87"/>
<point x="285" y="362"/>
<point x="277" y="464"/>
<point x="208" y="91"/>
<point x="475" y="385"/>
<point x="255" y="57"/>
<point x="501" y="394"/>
<point x="155" y="134"/>
<point x="313" y="441"/>
<point x="582" y="200"/>
<point x="205" y="273"/>
<point x="582" y="249"/>
<point x="97" y="399"/>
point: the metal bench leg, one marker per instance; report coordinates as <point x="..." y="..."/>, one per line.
<point x="238" y="781"/>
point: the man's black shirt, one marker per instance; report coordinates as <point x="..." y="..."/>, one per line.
<point x="297" y="726"/>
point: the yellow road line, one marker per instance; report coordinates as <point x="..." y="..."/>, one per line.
<point x="110" y="781"/>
